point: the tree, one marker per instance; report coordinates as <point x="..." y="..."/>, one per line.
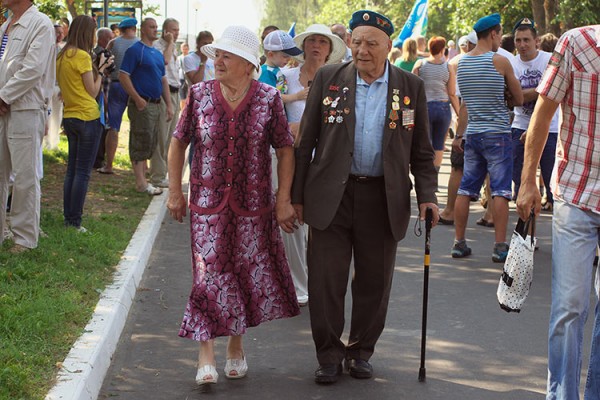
<point x="448" y="18"/>
<point x="51" y="8"/>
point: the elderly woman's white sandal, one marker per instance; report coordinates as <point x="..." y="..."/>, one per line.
<point x="236" y="368"/>
<point x="207" y="374"/>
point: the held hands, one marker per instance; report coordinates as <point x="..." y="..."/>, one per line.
<point x="285" y="214"/>
<point x="176" y="205"/>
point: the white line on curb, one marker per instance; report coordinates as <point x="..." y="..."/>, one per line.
<point x="85" y="367"/>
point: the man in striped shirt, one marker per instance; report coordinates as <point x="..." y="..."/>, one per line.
<point x="572" y="80"/>
<point x="482" y="75"/>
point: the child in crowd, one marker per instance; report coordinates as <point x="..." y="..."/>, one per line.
<point x="279" y="48"/>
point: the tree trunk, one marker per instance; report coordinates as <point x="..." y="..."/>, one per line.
<point x="551" y="8"/>
<point x="71" y="7"/>
<point x="539" y="15"/>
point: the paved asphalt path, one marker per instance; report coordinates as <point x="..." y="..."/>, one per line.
<point x="474" y="349"/>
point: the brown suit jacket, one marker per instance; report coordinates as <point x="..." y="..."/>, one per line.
<point x="320" y="180"/>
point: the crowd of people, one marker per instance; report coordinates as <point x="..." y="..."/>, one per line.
<point x="303" y="158"/>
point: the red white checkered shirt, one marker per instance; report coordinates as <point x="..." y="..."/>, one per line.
<point x="573" y="79"/>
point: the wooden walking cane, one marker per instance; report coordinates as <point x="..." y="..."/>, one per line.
<point x="428" y="223"/>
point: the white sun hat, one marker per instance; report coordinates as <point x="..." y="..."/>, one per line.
<point x="237" y="40"/>
<point x="339" y="47"/>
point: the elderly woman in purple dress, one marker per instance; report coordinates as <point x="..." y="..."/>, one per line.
<point x="241" y="276"/>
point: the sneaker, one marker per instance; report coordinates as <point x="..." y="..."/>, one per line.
<point x="500" y="252"/>
<point x="460" y="249"/>
<point x="81" y="229"/>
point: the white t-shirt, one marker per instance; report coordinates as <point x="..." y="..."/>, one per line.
<point x="294" y="109"/>
<point x="505" y="53"/>
<point x="529" y="74"/>
<point x="171" y="68"/>
<point x="191" y="62"/>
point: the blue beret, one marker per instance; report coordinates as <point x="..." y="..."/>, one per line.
<point x="371" y="18"/>
<point x="486" y="22"/>
<point x="525" y="22"/>
<point x="127" y="23"/>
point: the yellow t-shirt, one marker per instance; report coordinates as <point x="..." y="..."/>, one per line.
<point x="78" y="102"/>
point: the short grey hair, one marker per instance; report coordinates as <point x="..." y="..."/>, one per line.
<point x="103" y="32"/>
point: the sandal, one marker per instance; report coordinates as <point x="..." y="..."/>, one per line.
<point x="445" y="221"/>
<point x="207" y="374"/>
<point x="236" y="368"/>
<point x="483" y="222"/>
<point x="151" y="190"/>
<point x="104" y="171"/>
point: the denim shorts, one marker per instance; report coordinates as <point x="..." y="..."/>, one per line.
<point x="117" y="102"/>
<point x="440" y="116"/>
<point x="487" y="153"/>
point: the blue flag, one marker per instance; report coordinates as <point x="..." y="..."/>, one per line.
<point x="415" y="25"/>
<point x="292" y="31"/>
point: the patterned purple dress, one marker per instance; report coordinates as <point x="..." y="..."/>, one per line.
<point x="240" y="272"/>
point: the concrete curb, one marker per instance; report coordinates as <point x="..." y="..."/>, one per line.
<point x="85" y="367"/>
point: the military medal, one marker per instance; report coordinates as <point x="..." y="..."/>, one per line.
<point x="331" y="119"/>
<point x="327" y="101"/>
<point x="392" y="125"/>
<point x="396" y="98"/>
<point x="408" y="118"/>
<point x="347" y="110"/>
<point x="395" y="105"/>
<point x="406" y="100"/>
<point x="339" y="119"/>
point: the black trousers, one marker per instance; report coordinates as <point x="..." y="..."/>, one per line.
<point x="360" y="229"/>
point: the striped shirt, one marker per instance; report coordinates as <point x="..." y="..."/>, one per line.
<point x="4" y="42"/>
<point x="573" y="79"/>
<point x="435" y="77"/>
<point x="482" y="90"/>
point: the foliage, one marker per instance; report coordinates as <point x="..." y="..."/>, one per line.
<point x="47" y="295"/>
<point x="448" y="18"/>
<point x="51" y="8"/>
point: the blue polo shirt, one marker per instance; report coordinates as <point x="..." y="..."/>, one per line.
<point x="370" y="109"/>
<point x="145" y="66"/>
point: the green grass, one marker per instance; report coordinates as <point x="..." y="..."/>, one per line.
<point x="48" y="294"/>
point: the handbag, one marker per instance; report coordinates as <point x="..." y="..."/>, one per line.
<point x="517" y="274"/>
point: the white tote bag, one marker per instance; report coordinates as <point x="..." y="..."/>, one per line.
<point x="517" y="275"/>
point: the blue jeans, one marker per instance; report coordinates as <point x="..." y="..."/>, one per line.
<point x="546" y="162"/>
<point x="574" y="231"/>
<point x="84" y="138"/>
<point x="439" y="122"/>
<point x="487" y="153"/>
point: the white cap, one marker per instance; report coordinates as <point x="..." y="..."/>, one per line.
<point x="237" y="40"/>
<point x="472" y="37"/>
<point x="463" y="41"/>
<point x="281" y="41"/>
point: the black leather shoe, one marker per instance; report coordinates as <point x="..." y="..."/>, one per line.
<point x="359" y="369"/>
<point x="328" y="373"/>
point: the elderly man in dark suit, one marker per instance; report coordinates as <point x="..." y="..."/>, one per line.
<point x="364" y="127"/>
